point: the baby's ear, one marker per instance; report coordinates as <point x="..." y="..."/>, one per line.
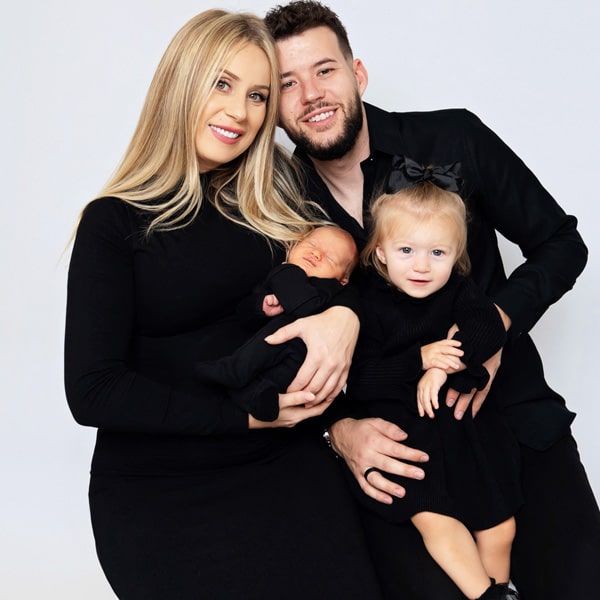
<point x="380" y="254"/>
<point x="344" y="280"/>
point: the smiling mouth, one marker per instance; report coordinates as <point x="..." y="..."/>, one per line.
<point x="321" y="116"/>
<point x="232" y="135"/>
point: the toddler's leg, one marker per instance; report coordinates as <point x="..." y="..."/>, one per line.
<point x="494" y="546"/>
<point x="452" y="546"/>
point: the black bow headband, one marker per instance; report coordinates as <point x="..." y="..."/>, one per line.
<point x="406" y="173"/>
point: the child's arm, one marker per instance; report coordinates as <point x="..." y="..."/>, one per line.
<point x="428" y="389"/>
<point x="482" y="334"/>
<point x="298" y="294"/>
<point x="444" y="354"/>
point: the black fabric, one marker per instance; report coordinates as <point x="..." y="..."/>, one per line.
<point x="555" y="552"/>
<point x="395" y="326"/>
<point x="279" y="527"/>
<point x="406" y="173"/>
<point x="186" y="502"/>
<point x="473" y="469"/>
<point x="504" y="196"/>
<point x="260" y="371"/>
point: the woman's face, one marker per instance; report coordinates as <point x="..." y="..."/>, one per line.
<point x="235" y="110"/>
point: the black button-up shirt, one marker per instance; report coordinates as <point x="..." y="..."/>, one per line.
<point x="502" y="195"/>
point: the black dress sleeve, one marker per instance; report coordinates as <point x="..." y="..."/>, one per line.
<point x="298" y="294"/>
<point x="481" y="333"/>
<point x="103" y="389"/>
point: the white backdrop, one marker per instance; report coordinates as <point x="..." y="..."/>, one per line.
<point x="74" y="75"/>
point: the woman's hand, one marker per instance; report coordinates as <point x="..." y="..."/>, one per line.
<point x="366" y="443"/>
<point x="293" y="408"/>
<point x="330" y="338"/>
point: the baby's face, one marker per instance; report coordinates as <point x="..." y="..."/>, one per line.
<point x="326" y="252"/>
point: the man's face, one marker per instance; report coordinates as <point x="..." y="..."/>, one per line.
<point x="320" y="106"/>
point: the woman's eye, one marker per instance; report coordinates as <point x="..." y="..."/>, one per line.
<point x="222" y="85"/>
<point x="258" y="97"/>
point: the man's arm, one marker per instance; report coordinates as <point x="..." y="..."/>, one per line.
<point x="330" y="338"/>
<point x="367" y="443"/>
<point x="503" y="193"/>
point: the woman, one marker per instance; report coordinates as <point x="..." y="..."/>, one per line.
<point x="190" y="496"/>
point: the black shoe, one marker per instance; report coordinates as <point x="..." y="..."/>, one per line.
<point x="509" y="593"/>
<point x="499" y="591"/>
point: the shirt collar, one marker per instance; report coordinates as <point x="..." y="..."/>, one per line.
<point x="384" y="133"/>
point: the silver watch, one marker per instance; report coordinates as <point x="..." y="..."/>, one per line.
<point x="327" y="440"/>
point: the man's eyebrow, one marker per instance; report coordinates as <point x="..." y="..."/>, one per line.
<point x="319" y="63"/>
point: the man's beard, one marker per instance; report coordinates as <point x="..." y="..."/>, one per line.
<point x="339" y="147"/>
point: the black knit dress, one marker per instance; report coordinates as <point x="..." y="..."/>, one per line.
<point x="186" y="502"/>
<point x="473" y="468"/>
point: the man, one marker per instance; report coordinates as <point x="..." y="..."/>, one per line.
<point x="347" y="148"/>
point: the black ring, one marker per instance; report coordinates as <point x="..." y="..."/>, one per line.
<point x="369" y="471"/>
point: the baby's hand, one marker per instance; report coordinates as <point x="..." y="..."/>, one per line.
<point x="444" y="354"/>
<point x="271" y="306"/>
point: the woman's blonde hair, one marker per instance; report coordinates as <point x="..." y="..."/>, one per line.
<point x="421" y="202"/>
<point x="159" y="172"/>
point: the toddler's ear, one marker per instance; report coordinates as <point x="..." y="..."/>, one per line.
<point x="380" y="254"/>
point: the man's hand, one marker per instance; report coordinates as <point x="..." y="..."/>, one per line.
<point x="366" y="443"/>
<point x="330" y="338"/>
<point x="476" y="397"/>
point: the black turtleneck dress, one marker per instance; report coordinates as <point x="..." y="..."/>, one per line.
<point x="473" y="468"/>
<point x="186" y="502"/>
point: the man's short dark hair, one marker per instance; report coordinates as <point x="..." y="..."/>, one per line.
<point x="296" y="17"/>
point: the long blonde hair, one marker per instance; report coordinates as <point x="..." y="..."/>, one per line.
<point x="422" y="202"/>
<point x="159" y="172"/>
